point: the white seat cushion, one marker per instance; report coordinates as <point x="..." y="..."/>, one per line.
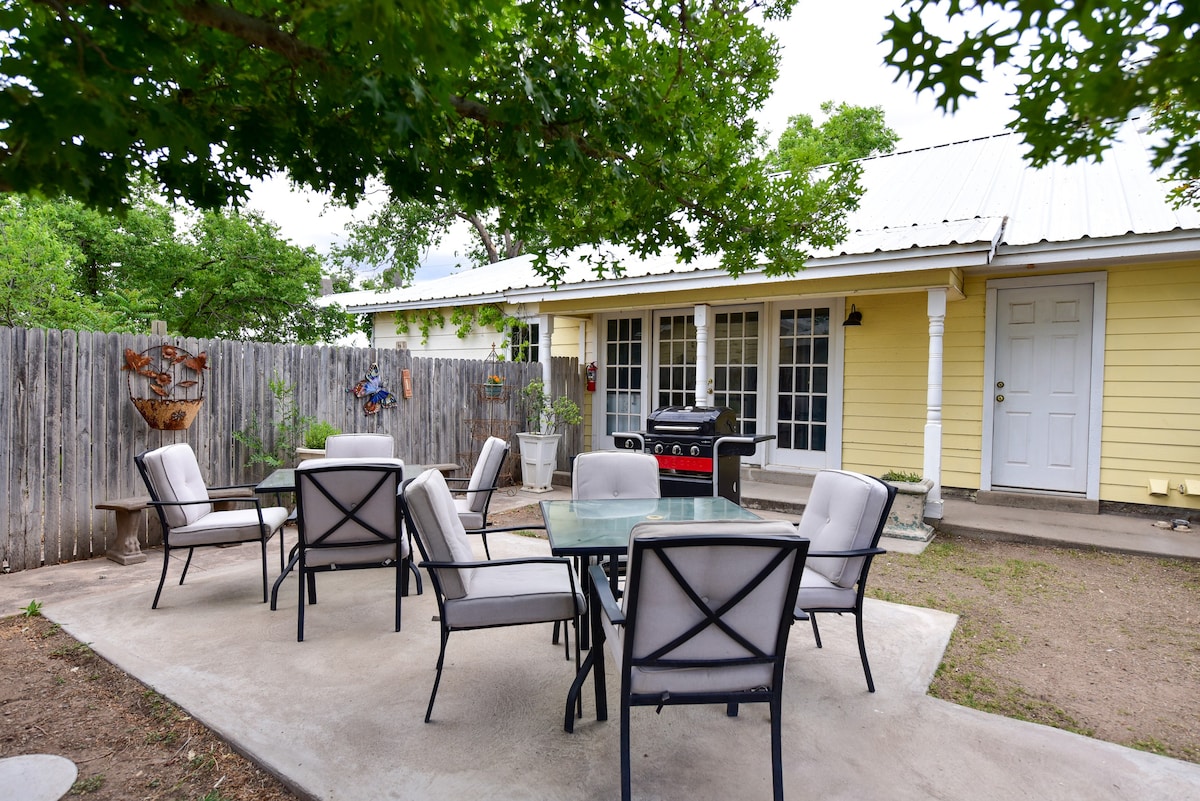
<point x="818" y="592"/>
<point x="234" y="525"/>
<point x="469" y="517"/>
<point x="512" y="594"/>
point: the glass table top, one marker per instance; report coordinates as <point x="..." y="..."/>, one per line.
<point x="602" y="526"/>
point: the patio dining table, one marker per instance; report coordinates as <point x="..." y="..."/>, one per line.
<point x="595" y="529"/>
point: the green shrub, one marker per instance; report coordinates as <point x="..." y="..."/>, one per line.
<point x="317" y="433"/>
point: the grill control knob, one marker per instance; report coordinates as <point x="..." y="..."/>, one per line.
<point x="630" y="444"/>
<point x="695" y="450"/>
<point x="676" y="449"/>
<point x="658" y="447"/>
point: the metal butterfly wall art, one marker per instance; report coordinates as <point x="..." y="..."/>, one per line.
<point x="372" y="389"/>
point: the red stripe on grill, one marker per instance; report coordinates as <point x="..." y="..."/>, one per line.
<point x="694" y="464"/>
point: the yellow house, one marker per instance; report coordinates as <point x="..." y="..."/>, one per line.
<point x="1034" y="332"/>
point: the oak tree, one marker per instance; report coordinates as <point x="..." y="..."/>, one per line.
<point x="622" y="121"/>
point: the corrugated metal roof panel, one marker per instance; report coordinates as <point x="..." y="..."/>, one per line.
<point x="968" y="193"/>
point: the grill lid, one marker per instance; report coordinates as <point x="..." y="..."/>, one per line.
<point x="696" y="421"/>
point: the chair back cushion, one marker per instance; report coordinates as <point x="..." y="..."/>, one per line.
<point x="614" y="474"/>
<point x="348" y="510"/>
<point x="486" y="472"/>
<point x="341" y="446"/>
<point x="431" y="508"/>
<point x="172" y="474"/>
<point x="845" y="512"/>
<point x="683" y="574"/>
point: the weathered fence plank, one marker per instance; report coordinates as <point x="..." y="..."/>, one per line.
<point x="71" y="431"/>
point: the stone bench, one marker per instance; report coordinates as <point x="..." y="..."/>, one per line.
<point x="125" y="549"/>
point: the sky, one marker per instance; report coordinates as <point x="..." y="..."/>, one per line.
<point x="829" y="51"/>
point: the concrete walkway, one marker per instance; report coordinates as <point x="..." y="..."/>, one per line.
<point x="339" y="716"/>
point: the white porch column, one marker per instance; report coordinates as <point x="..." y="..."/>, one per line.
<point x="545" y="333"/>
<point x="933" y="405"/>
<point x="703" y="357"/>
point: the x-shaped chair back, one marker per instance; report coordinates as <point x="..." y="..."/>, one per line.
<point x="704" y="620"/>
<point x="349" y="515"/>
<point x="347" y="503"/>
<point x="709" y="595"/>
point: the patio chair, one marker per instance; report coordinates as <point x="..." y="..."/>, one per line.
<point x="483" y="594"/>
<point x="596" y="475"/>
<point x="614" y="474"/>
<point x="476" y="491"/>
<point x="349" y="517"/>
<point x="704" y="620"/>
<point x="843" y="520"/>
<point x="178" y="492"/>
<point x="348" y="446"/>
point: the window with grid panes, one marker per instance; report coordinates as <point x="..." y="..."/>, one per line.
<point x="735" y="366"/>
<point x="804" y="342"/>
<point x="623" y="375"/>
<point x="523" y="342"/>
<point x="676" y="359"/>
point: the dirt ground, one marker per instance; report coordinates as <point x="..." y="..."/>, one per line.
<point x="1104" y="645"/>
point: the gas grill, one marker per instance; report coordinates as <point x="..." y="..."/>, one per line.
<point x="698" y="448"/>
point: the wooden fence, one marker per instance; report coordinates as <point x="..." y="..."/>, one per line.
<point x="69" y="430"/>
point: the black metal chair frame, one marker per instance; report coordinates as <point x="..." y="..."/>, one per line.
<point x="307" y="574"/>
<point x="860" y="587"/>
<point x="433" y="566"/>
<point x="160" y="505"/>
<point x="602" y="596"/>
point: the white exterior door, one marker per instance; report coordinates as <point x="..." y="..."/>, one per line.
<point x="1041" y="393"/>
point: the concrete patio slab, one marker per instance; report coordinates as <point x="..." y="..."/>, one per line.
<point x="339" y="716"/>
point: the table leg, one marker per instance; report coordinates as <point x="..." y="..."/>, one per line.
<point x="593" y="663"/>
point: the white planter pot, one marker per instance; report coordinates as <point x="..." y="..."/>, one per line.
<point x="304" y="454"/>
<point x="539" y="457"/>
<point x="906" y="521"/>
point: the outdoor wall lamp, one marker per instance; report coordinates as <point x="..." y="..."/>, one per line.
<point x="854" y="317"/>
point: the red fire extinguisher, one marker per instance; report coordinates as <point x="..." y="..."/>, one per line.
<point x="591" y="377"/>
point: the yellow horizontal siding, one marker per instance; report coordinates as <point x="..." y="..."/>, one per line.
<point x="1151" y="420"/>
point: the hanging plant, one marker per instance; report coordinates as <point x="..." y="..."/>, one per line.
<point x="166" y="385"/>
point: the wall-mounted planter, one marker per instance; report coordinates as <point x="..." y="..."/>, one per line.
<point x="168" y="414"/>
<point x="166" y="385"/>
<point x="907" y="518"/>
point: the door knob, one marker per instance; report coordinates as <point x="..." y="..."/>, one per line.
<point x="999" y="399"/>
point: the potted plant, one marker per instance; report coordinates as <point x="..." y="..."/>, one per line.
<point x="314" y="441"/>
<point x="493" y="387"/>
<point x="906" y="520"/>
<point x="539" y="444"/>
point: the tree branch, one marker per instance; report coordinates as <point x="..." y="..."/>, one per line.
<point x="252" y="30"/>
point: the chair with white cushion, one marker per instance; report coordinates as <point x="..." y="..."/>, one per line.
<point x="476" y="492"/>
<point x="704" y="620"/>
<point x="352" y="446"/>
<point x="178" y="492"/>
<point x="843" y="519"/>
<point x="614" y="474"/>
<point x="349" y="517"/>
<point x="475" y="594"/>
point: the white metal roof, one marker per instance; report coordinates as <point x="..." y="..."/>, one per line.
<point x="976" y="198"/>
